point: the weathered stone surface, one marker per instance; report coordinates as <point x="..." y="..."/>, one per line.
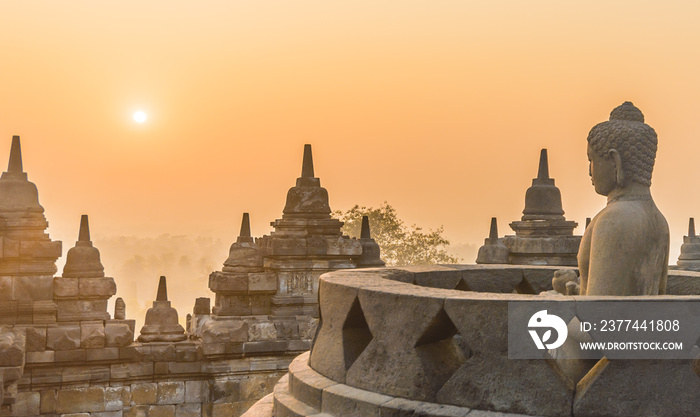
<point x="137" y="411"/>
<point x="144" y="393"/>
<point x="27" y="404"/>
<point x="306" y="384"/>
<point x="400" y="407"/>
<point x="327" y="354"/>
<point x="117" y="398"/>
<point x="119" y="309"/>
<point x="65" y="287"/>
<point x="97" y="287"/>
<point x="343" y="400"/>
<point x="188" y="410"/>
<point x="196" y="391"/>
<point x="32" y="288"/>
<point x="12" y="348"/>
<point x="161" y="411"/>
<point x="46" y="356"/>
<point x="63" y="337"/>
<point x="102" y="354"/>
<point x="503" y="280"/>
<point x="653" y="380"/>
<point x="258" y="331"/>
<point x="36" y="339"/>
<point x="488" y="380"/>
<point x="80" y="400"/>
<point x="92" y="336"/>
<point x="118" y="334"/>
<point x="48" y="401"/>
<point x="225" y="391"/>
<point x="412" y="352"/>
<point x="224" y="330"/>
<point x="171" y="392"/>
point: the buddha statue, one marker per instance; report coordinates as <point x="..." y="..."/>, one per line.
<point x="624" y="250"/>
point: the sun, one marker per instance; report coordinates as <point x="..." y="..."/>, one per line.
<point x="140" y="116"/>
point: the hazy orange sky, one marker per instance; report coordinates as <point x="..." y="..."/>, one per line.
<point x="439" y="108"/>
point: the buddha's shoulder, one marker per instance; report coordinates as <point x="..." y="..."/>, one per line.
<point x="630" y="213"/>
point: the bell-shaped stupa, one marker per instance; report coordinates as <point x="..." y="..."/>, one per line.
<point x="242" y="287"/>
<point x="370" y="257"/>
<point x="543" y="236"/>
<point x="161" y="324"/>
<point x="690" y="249"/>
<point x="493" y="251"/>
<point x="83" y="282"/>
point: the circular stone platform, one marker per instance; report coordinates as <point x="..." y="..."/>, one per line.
<point x="433" y="341"/>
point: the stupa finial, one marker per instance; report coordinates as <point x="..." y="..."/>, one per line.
<point x="543" y="172"/>
<point x="15" y="163"/>
<point x="307" y="168"/>
<point x="162" y="290"/>
<point x="364" y="233"/>
<point x="493" y="232"/>
<point x="84" y="234"/>
<point x="245" y="226"/>
<point x="691" y="227"/>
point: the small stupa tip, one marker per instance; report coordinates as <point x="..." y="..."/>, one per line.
<point x="162" y="290"/>
<point x="588" y="221"/>
<point x="15" y="163"/>
<point x="245" y="226"/>
<point x="307" y="168"/>
<point x="365" y="233"/>
<point x="84" y="233"/>
<point x="543" y="172"/>
<point x="493" y="231"/>
<point x="691" y="227"/>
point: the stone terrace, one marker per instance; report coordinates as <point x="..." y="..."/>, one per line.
<point x="412" y="341"/>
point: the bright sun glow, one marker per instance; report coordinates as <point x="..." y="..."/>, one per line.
<point x="139" y="117"/>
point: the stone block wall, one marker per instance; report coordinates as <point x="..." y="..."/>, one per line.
<point x="155" y="379"/>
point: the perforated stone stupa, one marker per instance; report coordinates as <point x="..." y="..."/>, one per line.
<point x="543" y="236"/>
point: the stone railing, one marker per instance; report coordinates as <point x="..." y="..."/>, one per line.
<point x="411" y="333"/>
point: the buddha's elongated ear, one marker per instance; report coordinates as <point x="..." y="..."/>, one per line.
<point x="619" y="173"/>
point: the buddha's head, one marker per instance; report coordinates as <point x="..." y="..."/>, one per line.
<point x="622" y="150"/>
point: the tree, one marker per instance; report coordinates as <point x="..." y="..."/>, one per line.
<point x="399" y="244"/>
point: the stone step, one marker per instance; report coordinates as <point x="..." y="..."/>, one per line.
<point x="288" y="406"/>
<point x="306" y="384"/>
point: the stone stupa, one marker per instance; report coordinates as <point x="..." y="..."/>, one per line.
<point x="493" y="251"/>
<point x="306" y="243"/>
<point x="242" y="287"/>
<point x="161" y="324"/>
<point x="543" y="236"/>
<point x="83" y="290"/>
<point x="370" y="257"/>
<point x="690" y="249"/>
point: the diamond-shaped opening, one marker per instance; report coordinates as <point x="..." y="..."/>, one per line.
<point x="441" y="350"/>
<point x="524" y="287"/>
<point x="462" y="285"/>
<point x="356" y="334"/>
